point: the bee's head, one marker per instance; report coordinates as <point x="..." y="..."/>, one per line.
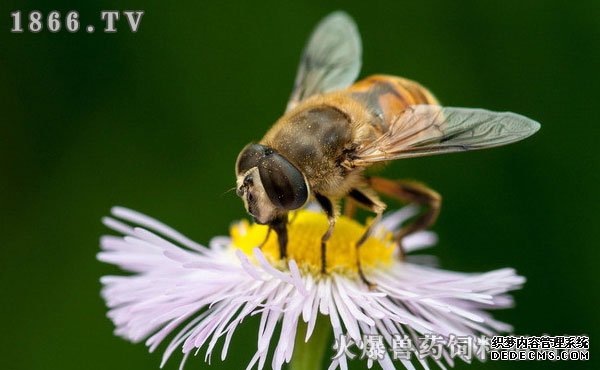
<point x="268" y="183"/>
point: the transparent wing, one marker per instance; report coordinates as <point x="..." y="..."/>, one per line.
<point x="430" y="129"/>
<point x="331" y="59"/>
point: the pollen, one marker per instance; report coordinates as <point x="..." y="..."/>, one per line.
<point x="305" y="230"/>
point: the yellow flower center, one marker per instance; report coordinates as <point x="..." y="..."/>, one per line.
<point x="304" y="243"/>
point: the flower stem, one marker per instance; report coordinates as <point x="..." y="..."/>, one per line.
<point x="309" y="355"/>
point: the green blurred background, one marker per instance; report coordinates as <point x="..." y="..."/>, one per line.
<point x="154" y="121"/>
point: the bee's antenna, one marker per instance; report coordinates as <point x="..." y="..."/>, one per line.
<point x="228" y="190"/>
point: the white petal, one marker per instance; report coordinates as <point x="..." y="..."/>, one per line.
<point x="175" y="280"/>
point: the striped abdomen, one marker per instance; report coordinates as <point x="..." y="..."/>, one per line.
<point x="387" y="96"/>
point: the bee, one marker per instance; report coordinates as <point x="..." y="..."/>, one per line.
<point x="335" y="128"/>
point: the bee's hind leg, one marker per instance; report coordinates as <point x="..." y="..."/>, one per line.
<point x="368" y="199"/>
<point x="410" y="192"/>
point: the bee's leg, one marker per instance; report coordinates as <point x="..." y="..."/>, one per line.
<point x="266" y="238"/>
<point x="349" y="207"/>
<point x="368" y="199"/>
<point x="329" y="209"/>
<point x="410" y="192"/>
<point x="280" y="226"/>
<point x="293" y="218"/>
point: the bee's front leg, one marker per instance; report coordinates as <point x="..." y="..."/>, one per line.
<point x="279" y="225"/>
<point x="329" y="209"/>
<point x="266" y="238"/>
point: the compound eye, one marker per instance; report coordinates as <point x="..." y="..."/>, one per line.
<point x="283" y="182"/>
<point x="249" y="157"/>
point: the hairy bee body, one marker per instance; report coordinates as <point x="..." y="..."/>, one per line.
<point x="324" y="131"/>
<point x="386" y="97"/>
<point x="334" y="128"/>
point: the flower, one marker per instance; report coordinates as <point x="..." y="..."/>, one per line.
<point x="199" y="295"/>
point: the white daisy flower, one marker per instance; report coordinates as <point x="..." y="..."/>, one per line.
<point x="198" y="295"/>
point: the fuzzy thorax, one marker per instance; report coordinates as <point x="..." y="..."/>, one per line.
<point x="304" y="243"/>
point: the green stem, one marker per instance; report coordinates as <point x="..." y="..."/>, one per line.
<point x="309" y="356"/>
